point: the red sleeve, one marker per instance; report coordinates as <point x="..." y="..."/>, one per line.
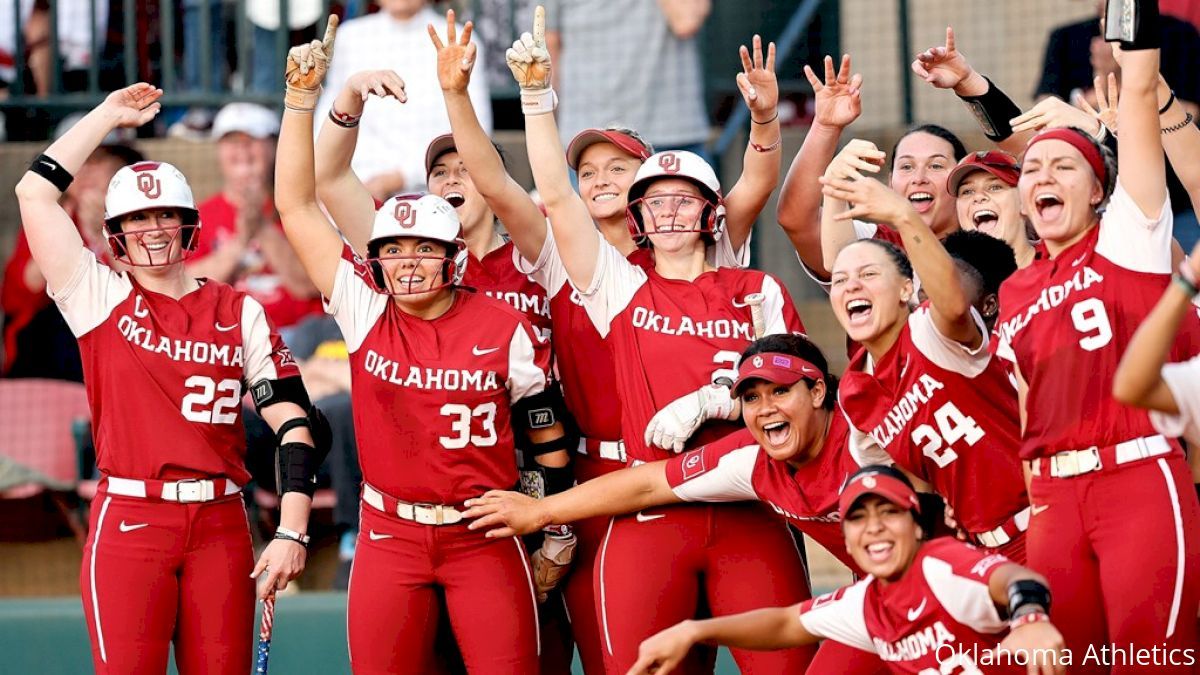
<point x="884" y="232"/>
<point x="16" y="298"/>
<point x="966" y="560"/>
<point x="695" y="463"/>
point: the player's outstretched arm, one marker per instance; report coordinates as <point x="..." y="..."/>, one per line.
<point x="506" y="514"/>
<point x="761" y="629"/>
<point x="837" y="232"/>
<point x="347" y="199"/>
<point x="574" y="233"/>
<point x="838" y="104"/>
<point x="316" y="243"/>
<point x="1139" y="381"/>
<point x="522" y="219"/>
<point x="53" y="239"/>
<point x="1141" y="166"/>
<point x="1182" y="144"/>
<point x="876" y="202"/>
<point x="1026" y="596"/>
<point x="764" y="150"/>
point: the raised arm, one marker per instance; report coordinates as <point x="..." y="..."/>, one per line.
<point x="685" y="17"/>
<point x="316" y="242"/>
<point x="835" y="231"/>
<point x="838" y="103"/>
<point x="1140" y="163"/>
<point x="764" y="155"/>
<point x="504" y="196"/>
<point x="574" y="232"/>
<point x="1181" y="140"/>
<point x="54" y="242"/>
<point x="348" y="201"/>
<point x="949" y="303"/>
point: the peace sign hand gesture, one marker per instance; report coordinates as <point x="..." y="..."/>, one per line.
<point x="456" y="58"/>
<point x="839" y="97"/>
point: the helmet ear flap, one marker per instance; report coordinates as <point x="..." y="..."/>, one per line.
<point x="635" y="223"/>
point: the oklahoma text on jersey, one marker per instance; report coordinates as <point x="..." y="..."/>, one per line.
<point x="417" y="377"/>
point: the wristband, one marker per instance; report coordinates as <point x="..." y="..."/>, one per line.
<point x="49" y="168"/>
<point x="558" y="531"/>
<point x="993" y="110"/>
<point x="1027" y="595"/>
<point x="344" y="120"/>
<point x="1187" y="286"/>
<point x="1187" y="119"/>
<point x="1030" y="617"/>
<point x="1185" y="271"/>
<point x="538" y="101"/>
<point x="301" y="100"/>
<point x="768" y="121"/>
<point x="767" y="148"/>
<point x="292" y="535"/>
<point x="1167" y="105"/>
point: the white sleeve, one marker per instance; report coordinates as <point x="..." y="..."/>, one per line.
<point x="354" y="304"/>
<point x="946" y="353"/>
<point x="256" y="338"/>
<point x="91" y="294"/>
<point x="1183" y="379"/>
<point x="1133" y="241"/>
<point x="863" y="447"/>
<point x="525" y="377"/>
<point x="731" y="480"/>
<point x="967" y="600"/>
<point x="772" y="307"/>
<point x="614" y="284"/>
<point x="723" y="255"/>
<point x="547" y="271"/>
<point x="839" y="616"/>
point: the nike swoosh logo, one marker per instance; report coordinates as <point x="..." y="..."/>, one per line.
<point x="482" y="352"/>
<point x="1034" y="510"/>
<point x="126" y="527"/>
<point x="916" y="611"/>
<point x="643" y="518"/>
<point x="1078" y="260"/>
<point x="743" y="303"/>
<point x="45" y="163"/>
<point x="376" y="537"/>
<point x="225" y="329"/>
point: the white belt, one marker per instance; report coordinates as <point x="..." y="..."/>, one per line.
<point x="1077" y="462"/>
<point x="614" y="450"/>
<point x="425" y="514"/>
<point x="1003" y="534"/>
<point x="183" y="491"/>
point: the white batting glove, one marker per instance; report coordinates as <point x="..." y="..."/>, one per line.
<point x="672" y="426"/>
<point x="305" y="70"/>
<point x="552" y="562"/>
<point x="529" y="61"/>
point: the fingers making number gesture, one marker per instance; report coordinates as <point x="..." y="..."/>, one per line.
<point x="381" y="83"/>
<point x="839" y="97"/>
<point x="1106" y="104"/>
<point x="944" y="67"/>
<point x="456" y="57"/>
<point x="306" y="68"/>
<point x="528" y="58"/>
<point x="757" y="81"/>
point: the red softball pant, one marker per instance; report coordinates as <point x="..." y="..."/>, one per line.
<point x="1121" y="550"/>
<point x="158" y="572"/>
<point x="655" y="565"/>
<point x="393" y="606"/>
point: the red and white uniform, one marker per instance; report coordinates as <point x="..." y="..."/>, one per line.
<point x="1183" y="379"/>
<point x="588" y="378"/>
<point x="498" y="276"/>
<point x="165" y="379"/>
<point x="432" y="410"/>
<point x="937" y="618"/>
<point x="1065" y="321"/>
<point x="948" y="415"/>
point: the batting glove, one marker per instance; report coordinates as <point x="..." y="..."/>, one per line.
<point x="552" y="562"/>
<point x="672" y="426"/>
<point x="529" y="61"/>
<point x="306" y="68"/>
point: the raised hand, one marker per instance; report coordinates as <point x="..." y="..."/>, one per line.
<point x="134" y="105"/>
<point x="381" y="83"/>
<point x="1054" y="112"/>
<point x="944" y="67"/>
<point x="858" y="155"/>
<point x="757" y="81"/>
<point x="528" y="59"/>
<point x="1106" y="104"/>
<point x="306" y="68"/>
<point x="839" y="97"/>
<point x="456" y="58"/>
<point x="870" y="199"/>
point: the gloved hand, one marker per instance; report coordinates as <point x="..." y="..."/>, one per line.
<point x="672" y="426"/>
<point x="529" y="61"/>
<point x="552" y="562"/>
<point x="306" y="68"/>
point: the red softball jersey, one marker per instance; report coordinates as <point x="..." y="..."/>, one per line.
<point x="432" y="398"/>
<point x="165" y="377"/>
<point x="937" y="618"/>
<point x="1066" y="321"/>
<point x="736" y="468"/>
<point x="584" y="362"/>
<point x="498" y="276"/>
<point x="946" y="414"/>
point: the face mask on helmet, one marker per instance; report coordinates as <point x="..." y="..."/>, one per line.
<point x="149" y="190"/>
<point x="422" y="217"/>
<point x="675" y="211"/>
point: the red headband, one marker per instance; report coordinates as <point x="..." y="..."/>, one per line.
<point x="1077" y="141"/>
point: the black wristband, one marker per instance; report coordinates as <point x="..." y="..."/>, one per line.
<point x="1133" y="23"/>
<point x="766" y="122"/>
<point x="993" y="110"/>
<point x="49" y="168"/>
<point x="1167" y="105"/>
<point x="1027" y="595"/>
<point x="289" y="536"/>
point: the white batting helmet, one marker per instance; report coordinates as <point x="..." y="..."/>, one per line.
<point x="149" y="185"/>
<point x="419" y="216"/>
<point x="677" y="164"/>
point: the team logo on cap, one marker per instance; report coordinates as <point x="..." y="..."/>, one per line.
<point x="405" y="214"/>
<point x="781" y="361"/>
<point x="869" y="482"/>
<point x="669" y="162"/>
<point x="757" y="361"/>
<point x="149" y="185"/>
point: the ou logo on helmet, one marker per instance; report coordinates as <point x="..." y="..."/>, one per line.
<point x="149" y="185"/>
<point x="405" y="214"/>
<point x="669" y="162"/>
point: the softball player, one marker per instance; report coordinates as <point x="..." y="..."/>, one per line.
<point x="441" y="377"/>
<point x="1102" y="476"/>
<point x="927" y="607"/>
<point x="168" y="557"/>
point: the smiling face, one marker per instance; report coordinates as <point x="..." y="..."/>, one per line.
<point x="990" y="205"/>
<point x="448" y="179"/>
<point x="671" y="212"/>
<point x="784" y="418"/>
<point x="1059" y="193"/>
<point x="605" y="174"/>
<point x="153" y="237"/>
<point x="868" y="294"/>
<point x="919" y="172"/>
<point x="881" y="537"/>
<point x="413" y="269"/>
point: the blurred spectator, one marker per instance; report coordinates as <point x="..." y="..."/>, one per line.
<point x="195" y="34"/>
<point x="74" y="38"/>
<point x="37" y="341"/>
<point x="263" y="75"/>
<point x="497" y="24"/>
<point x="392" y="137"/>
<point x="656" y="88"/>
<point x="241" y="240"/>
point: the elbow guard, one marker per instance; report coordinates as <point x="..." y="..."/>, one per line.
<point x="296" y="463"/>
<point x="540" y="411"/>
<point x="546" y="480"/>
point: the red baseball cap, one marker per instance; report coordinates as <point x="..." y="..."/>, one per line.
<point x="774" y="367"/>
<point x="589" y="137"/>
<point x="1000" y="164"/>
<point x="879" y="483"/>
<point x="438" y="147"/>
